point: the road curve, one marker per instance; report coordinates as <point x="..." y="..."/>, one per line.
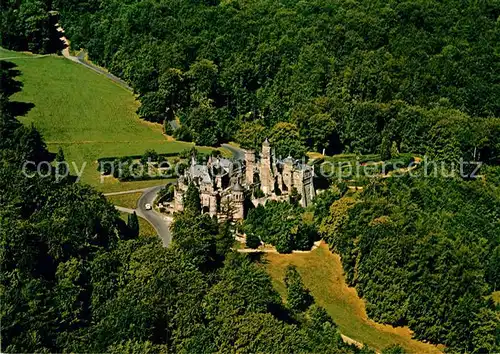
<point x="238" y="153"/>
<point x="159" y="222"/>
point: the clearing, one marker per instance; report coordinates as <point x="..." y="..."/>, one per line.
<point x="86" y="114"/>
<point x="322" y="273"/>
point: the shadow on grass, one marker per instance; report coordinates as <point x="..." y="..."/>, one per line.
<point x="20" y="109"/>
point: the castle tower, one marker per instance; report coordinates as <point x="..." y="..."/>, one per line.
<point x="265" y="169"/>
<point x="238" y="201"/>
<point x="303" y="181"/>
<point x="288" y="173"/>
<point x="309" y="190"/>
<point x="249" y="166"/>
<point x="213" y="205"/>
<point x="179" y="194"/>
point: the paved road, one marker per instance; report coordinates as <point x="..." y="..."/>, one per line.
<point x="238" y="153"/>
<point x="174" y="124"/>
<point x="157" y="220"/>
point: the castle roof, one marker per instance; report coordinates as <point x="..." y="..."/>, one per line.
<point x="303" y="167"/>
<point x="237" y="187"/>
<point x="201" y="172"/>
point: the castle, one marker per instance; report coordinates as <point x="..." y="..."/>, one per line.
<point x="222" y="182"/>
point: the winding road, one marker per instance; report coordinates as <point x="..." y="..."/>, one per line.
<point x="159" y="221"/>
<point x="238" y="154"/>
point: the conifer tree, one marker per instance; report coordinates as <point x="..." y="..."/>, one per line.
<point x="192" y="202"/>
<point x="385" y="149"/>
<point x="252" y="240"/>
<point x="133" y="224"/>
<point x="297" y="295"/>
<point x="167" y="127"/>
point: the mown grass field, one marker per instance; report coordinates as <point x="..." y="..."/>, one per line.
<point x="86" y="114"/>
<point x="322" y="273"/>
<point x="128" y="200"/>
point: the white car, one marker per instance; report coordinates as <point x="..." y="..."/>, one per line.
<point x="148" y="206"/>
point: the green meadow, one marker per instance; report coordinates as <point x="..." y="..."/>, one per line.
<point x="86" y="114"/>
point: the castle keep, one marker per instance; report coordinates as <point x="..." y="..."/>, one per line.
<point x="222" y="183"/>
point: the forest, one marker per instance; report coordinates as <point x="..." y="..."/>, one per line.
<point x="424" y="252"/>
<point x="351" y="76"/>
<point x="29" y="25"/>
<point x="344" y="75"/>
<point x="75" y="278"/>
<point x="417" y="77"/>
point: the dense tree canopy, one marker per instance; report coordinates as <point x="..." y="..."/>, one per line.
<point x="383" y="77"/>
<point x="75" y="278"/>
<point x="423" y="252"/>
<point x="345" y="73"/>
<point x="29" y="25"/>
<point x="280" y="224"/>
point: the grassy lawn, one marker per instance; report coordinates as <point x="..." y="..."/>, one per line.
<point x="128" y="200"/>
<point x="145" y="228"/>
<point x="322" y="273"/>
<point x="86" y="114"/>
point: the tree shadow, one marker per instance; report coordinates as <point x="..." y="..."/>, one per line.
<point x="8" y="84"/>
<point x="56" y="44"/>
<point x="20" y="109"/>
<point x="257" y="257"/>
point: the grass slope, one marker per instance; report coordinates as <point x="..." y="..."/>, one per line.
<point x="128" y="200"/>
<point x="322" y="273"/>
<point x="86" y="114"/>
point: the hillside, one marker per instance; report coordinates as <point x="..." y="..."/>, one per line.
<point x="86" y="114"/>
<point x="323" y="274"/>
<point x="348" y="75"/>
